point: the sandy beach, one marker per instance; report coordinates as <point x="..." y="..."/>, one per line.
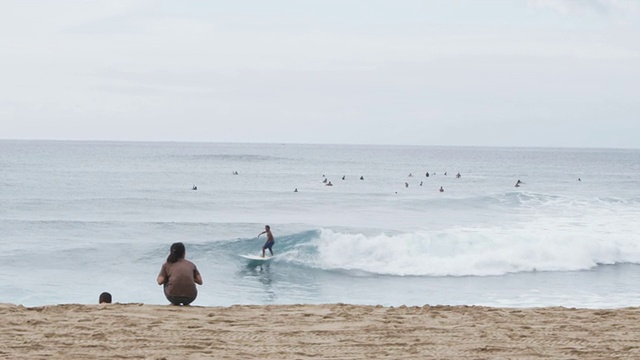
<point x="338" y="331"/>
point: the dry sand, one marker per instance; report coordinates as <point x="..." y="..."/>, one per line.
<point x="338" y="331"/>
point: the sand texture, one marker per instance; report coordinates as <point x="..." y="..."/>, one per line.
<point x="136" y="331"/>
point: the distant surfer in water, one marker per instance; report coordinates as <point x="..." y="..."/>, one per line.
<point x="270" y="242"/>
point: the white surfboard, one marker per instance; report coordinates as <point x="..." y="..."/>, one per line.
<point x="256" y="257"/>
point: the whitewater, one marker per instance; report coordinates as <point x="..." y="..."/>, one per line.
<point x="79" y="218"/>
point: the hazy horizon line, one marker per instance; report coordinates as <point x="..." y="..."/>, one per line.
<point x="314" y="144"/>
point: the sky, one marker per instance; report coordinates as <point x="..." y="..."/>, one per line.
<point x="548" y="73"/>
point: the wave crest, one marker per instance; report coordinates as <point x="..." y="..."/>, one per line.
<point x="462" y="251"/>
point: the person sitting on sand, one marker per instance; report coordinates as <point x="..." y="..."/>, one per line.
<point x="270" y="242"/>
<point x="329" y="184"/>
<point x="441" y="189"/>
<point x="105" y="298"/>
<point x="179" y="277"/>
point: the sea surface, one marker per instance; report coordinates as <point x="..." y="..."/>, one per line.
<point x="79" y="218"/>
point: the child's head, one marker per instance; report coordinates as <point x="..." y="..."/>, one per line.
<point x="105" y="298"/>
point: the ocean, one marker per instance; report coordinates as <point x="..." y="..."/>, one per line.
<point x="80" y="218"/>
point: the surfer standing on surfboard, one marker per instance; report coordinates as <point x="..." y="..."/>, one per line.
<point x="269" y="243"/>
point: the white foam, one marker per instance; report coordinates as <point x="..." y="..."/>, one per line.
<point x="542" y="244"/>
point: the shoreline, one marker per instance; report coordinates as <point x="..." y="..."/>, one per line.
<point x="328" y="331"/>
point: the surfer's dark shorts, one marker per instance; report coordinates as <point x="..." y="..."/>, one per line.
<point x="269" y="244"/>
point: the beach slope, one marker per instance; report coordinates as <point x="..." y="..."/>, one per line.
<point x="337" y="331"/>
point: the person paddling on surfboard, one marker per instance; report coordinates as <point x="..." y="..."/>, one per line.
<point x="269" y="243"/>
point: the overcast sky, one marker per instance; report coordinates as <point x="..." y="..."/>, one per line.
<point x="443" y="72"/>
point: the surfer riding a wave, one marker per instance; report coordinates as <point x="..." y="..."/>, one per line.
<point x="269" y="243"/>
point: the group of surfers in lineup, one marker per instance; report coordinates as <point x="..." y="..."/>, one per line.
<point x="406" y="184"/>
<point x="179" y="276"/>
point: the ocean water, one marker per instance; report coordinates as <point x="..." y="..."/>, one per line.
<point x="79" y="218"/>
